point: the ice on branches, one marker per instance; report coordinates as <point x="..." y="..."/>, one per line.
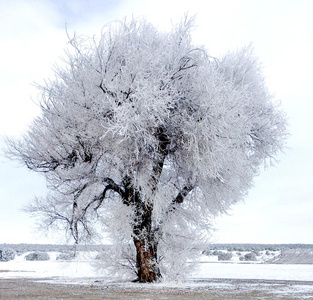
<point x="149" y="136"/>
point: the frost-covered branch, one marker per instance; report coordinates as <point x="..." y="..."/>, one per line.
<point x="179" y="199"/>
<point x="137" y="122"/>
<point x="111" y="185"/>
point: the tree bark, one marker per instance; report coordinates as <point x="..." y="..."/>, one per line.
<point x="146" y="261"/>
<point x="146" y="244"/>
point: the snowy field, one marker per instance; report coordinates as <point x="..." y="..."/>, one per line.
<point x="286" y="281"/>
<point x="82" y="270"/>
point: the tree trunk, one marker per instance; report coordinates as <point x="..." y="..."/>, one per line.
<point x="146" y="244"/>
<point x="146" y="261"/>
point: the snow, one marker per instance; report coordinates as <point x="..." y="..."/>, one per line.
<point x="232" y="276"/>
<point x="255" y="271"/>
<point x="82" y="269"/>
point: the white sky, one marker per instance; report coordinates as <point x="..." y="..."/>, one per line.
<point x="279" y="209"/>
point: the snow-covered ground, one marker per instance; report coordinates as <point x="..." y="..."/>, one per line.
<point x="255" y="271"/>
<point x="294" y="280"/>
<point x="70" y="270"/>
<point x="82" y="269"/>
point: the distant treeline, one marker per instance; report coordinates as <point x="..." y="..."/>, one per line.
<point x="257" y="247"/>
<point x="22" y="248"/>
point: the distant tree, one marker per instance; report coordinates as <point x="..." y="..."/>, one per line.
<point x="224" y="256"/>
<point x="207" y="252"/>
<point x="150" y="136"/>
<point x="65" y="256"/>
<point x="37" y="256"/>
<point x="7" y="254"/>
<point x="249" y="257"/>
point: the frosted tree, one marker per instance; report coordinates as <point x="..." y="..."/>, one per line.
<point x="150" y="136"/>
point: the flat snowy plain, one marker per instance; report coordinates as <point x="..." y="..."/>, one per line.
<point x="211" y="280"/>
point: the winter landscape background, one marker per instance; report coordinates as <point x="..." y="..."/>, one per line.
<point x="278" y="210"/>
<point x="274" y="271"/>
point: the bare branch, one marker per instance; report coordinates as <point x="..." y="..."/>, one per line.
<point x="179" y="199"/>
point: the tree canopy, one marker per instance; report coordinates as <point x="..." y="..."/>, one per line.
<point x="150" y="136"/>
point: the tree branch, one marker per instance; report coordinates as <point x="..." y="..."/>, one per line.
<point x="106" y="91"/>
<point x="180" y="197"/>
<point x="111" y="185"/>
<point x="162" y="151"/>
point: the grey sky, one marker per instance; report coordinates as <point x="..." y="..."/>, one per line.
<point x="32" y="37"/>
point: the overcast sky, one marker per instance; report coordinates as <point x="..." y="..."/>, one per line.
<point x="279" y="209"/>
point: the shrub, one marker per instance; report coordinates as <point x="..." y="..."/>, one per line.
<point x="207" y="252"/>
<point x="65" y="256"/>
<point x="250" y="256"/>
<point x="225" y="256"/>
<point x="7" y="254"/>
<point x="37" y="256"/>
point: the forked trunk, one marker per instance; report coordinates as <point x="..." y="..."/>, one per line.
<point x="146" y="261"/>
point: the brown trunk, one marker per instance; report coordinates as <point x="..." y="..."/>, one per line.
<point x="146" y="262"/>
